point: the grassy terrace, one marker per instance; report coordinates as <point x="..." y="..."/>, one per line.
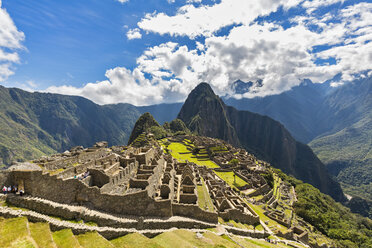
<point x="18" y="232"/>
<point x="271" y="223"/>
<point x="42" y="235"/>
<point x="14" y="232"/>
<point x="239" y="225"/>
<point x="180" y="152"/>
<point x="187" y="239"/>
<point x="228" y="177"/>
<point x="204" y="199"/>
<point x="277" y="182"/>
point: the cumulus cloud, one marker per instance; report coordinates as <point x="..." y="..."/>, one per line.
<point x="10" y="43"/>
<point x="278" y="56"/>
<point x="204" y="20"/>
<point x="122" y="1"/>
<point x="122" y="85"/>
<point x="134" y="34"/>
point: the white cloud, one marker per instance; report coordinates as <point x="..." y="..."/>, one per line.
<point x="122" y="85"/>
<point x="250" y="52"/>
<point x="134" y="34"/>
<point x="10" y="43"/>
<point x="205" y="20"/>
<point x="122" y="1"/>
<point x="315" y="4"/>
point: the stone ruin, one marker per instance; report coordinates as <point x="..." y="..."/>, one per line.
<point x="140" y="182"/>
<point x="124" y="180"/>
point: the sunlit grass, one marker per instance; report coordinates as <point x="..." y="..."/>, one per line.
<point x="65" y="239"/>
<point x="204" y="199"/>
<point x="228" y="177"/>
<point x="135" y="240"/>
<point x="93" y="240"/>
<point x="40" y="232"/>
<point x="180" y="152"/>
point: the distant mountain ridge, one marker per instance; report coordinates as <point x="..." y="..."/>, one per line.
<point x="205" y="113"/>
<point x="295" y="108"/>
<point x="34" y="124"/>
<point x="335" y="121"/>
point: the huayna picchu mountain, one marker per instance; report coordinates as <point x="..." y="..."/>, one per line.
<point x="206" y="114"/>
<point x="144" y="123"/>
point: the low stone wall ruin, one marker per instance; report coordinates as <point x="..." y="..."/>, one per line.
<point x="239" y="216"/>
<point x="193" y="211"/>
<point x="74" y="192"/>
<point x="4" y="175"/>
<point x="260" y="191"/>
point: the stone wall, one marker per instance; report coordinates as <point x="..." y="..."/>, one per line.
<point x="239" y="216"/>
<point x="74" y="192"/>
<point x="80" y="213"/>
<point x="61" y="163"/>
<point x="154" y="180"/>
<point x="75" y="170"/>
<point x="193" y="211"/>
<point x="144" y="156"/>
<point x="260" y="191"/>
<point x="4" y="178"/>
<point x="268" y="196"/>
<point x="70" y="161"/>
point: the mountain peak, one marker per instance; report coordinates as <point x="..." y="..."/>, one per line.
<point x="143" y="124"/>
<point x="203" y="88"/>
<point x="204" y="113"/>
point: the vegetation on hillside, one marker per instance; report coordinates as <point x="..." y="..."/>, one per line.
<point x="143" y="125"/>
<point x="35" y="124"/>
<point x="330" y="217"/>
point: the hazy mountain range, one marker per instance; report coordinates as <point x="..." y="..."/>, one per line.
<point x="335" y="121"/>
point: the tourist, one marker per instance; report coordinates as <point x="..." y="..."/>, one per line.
<point x="5" y="189"/>
<point x="9" y="189"/>
<point x="21" y="192"/>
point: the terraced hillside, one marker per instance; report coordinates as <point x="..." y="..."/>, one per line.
<point x="19" y="232"/>
<point x="182" y="191"/>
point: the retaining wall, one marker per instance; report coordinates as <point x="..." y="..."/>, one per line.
<point x="193" y="211"/>
<point x="74" y="192"/>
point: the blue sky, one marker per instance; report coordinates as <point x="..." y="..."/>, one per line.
<point x="147" y="52"/>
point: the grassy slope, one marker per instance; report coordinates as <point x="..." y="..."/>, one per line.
<point x="135" y="240"/>
<point x="188" y="239"/>
<point x="204" y="199"/>
<point x="14" y="233"/>
<point x="93" y="240"/>
<point x="42" y="235"/>
<point x="179" y="151"/>
<point x="228" y="177"/>
<point x="65" y="239"/>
